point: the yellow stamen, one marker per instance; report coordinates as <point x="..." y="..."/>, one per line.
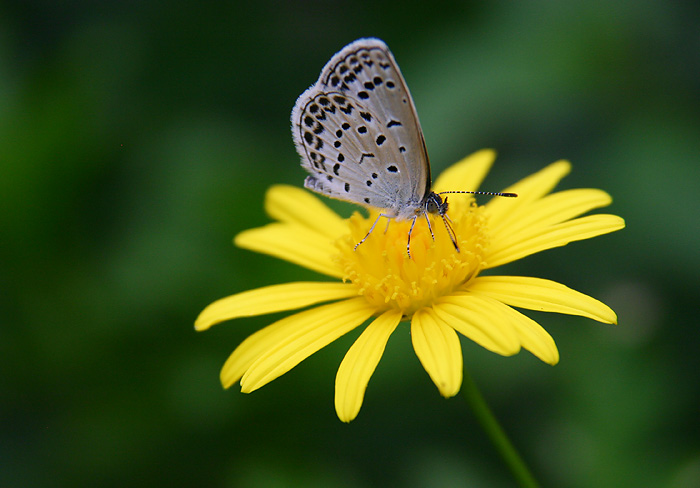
<point x="389" y="279"/>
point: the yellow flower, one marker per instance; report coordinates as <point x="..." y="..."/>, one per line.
<point x="441" y="291"/>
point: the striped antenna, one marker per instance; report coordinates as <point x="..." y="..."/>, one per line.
<point x="492" y="193"/>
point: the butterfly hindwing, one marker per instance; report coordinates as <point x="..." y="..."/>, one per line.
<point x="358" y="134"/>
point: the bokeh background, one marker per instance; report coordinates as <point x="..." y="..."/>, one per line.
<point x="137" y="138"/>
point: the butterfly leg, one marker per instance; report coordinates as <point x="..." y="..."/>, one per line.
<point x="450" y="231"/>
<point x="430" y="227"/>
<point x="410" y="231"/>
<point x="388" y="221"/>
<point x="372" y="228"/>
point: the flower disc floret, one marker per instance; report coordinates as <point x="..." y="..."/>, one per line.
<point x="389" y="279"/>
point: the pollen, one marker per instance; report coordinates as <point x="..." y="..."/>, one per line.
<point x="389" y="278"/>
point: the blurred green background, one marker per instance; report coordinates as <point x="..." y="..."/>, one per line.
<point x="137" y="138"/>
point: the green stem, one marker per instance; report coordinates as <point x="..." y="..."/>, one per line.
<point x="498" y="437"/>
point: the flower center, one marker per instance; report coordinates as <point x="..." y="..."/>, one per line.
<point x="388" y="278"/>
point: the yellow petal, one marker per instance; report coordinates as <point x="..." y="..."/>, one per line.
<point x="542" y="295"/>
<point x="480" y="320"/>
<point x="359" y="364"/>
<point x="531" y="335"/>
<point x="528" y="189"/>
<point x="255" y="345"/>
<point x="549" y="210"/>
<point x="292" y="243"/>
<point x="297" y="206"/>
<point x="467" y="174"/>
<point x="270" y="299"/>
<point x="302" y="336"/>
<point x="439" y="351"/>
<point x="267" y="338"/>
<point x="531" y="241"/>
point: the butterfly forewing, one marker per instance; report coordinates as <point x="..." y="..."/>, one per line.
<point x="358" y="134"/>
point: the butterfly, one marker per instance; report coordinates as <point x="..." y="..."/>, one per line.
<point x="359" y="138"/>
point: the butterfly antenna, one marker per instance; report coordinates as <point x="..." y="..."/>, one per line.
<point x="492" y="193"/>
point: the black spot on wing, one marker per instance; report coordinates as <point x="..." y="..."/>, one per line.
<point x="366" y="155"/>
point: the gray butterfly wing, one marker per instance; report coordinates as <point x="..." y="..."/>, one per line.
<point x="358" y="133"/>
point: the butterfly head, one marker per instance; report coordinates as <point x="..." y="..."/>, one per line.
<point x="434" y="204"/>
